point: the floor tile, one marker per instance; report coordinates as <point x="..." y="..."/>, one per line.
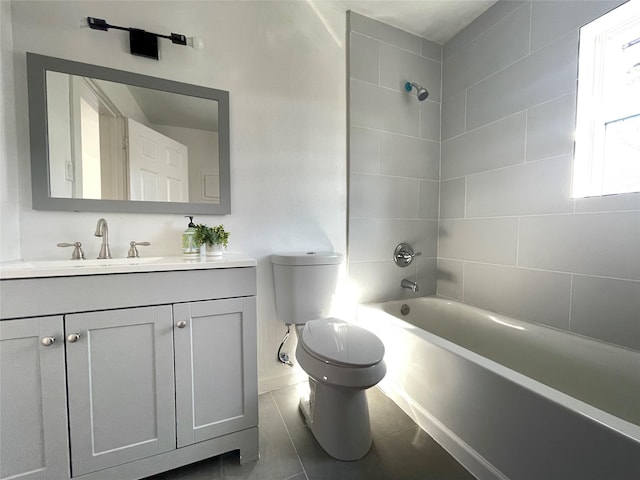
<point x="386" y="417"/>
<point x="287" y="399"/>
<point x="289" y="451"/>
<point x="278" y="459"/>
<point x="320" y="466"/>
<point x="300" y="476"/>
<point x="414" y="455"/>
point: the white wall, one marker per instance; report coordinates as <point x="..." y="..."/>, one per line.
<point x="9" y="209"/>
<point x="286" y="76"/>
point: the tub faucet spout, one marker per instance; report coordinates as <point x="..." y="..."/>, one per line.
<point x="406" y="283"/>
<point x="102" y="230"/>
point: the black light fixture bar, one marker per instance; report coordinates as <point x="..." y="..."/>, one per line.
<point x="141" y="42"/>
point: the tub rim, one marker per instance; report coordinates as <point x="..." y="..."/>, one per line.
<point x="606" y="419"/>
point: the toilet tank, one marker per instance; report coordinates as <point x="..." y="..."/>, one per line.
<point x="304" y="284"/>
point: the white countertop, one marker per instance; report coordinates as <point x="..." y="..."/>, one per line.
<point x="66" y="268"/>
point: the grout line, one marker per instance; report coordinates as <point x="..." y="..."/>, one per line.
<point x="464" y="265"/>
<point x="548" y="45"/>
<point x="385" y="175"/>
<point x="503" y="18"/>
<point x="394" y="45"/>
<point x="464" y="205"/>
<point x="378" y="160"/>
<point x="389" y="89"/>
<point x="530" y="24"/>
<point x="518" y="244"/>
<point x="363" y="127"/>
<point x="533" y="215"/>
<point x="481" y="126"/>
<point x="524" y="110"/>
<point x="466" y="93"/>
<point x="379" y="62"/>
<point x="513" y="165"/>
<point x="526" y="137"/>
<point x="504" y="265"/>
<point x="290" y="438"/>
<point x="391" y="435"/>
<point x="294" y="476"/>
<point x="570" y="299"/>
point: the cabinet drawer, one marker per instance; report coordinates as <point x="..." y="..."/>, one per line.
<point x="102" y="292"/>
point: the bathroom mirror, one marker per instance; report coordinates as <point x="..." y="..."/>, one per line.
<point x="107" y="140"/>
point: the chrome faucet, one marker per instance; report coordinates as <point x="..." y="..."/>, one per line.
<point x="102" y="230"/>
<point x="406" y="283"/>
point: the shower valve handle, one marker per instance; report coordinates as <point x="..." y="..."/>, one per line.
<point x="403" y="254"/>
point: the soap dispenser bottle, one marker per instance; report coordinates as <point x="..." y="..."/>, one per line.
<point x="189" y="247"/>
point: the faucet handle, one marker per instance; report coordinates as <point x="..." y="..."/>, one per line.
<point x="403" y="254"/>
<point x="133" y="251"/>
<point x="77" y="254"/>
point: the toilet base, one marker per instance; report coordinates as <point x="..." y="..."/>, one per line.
<point x="339" y="420"/>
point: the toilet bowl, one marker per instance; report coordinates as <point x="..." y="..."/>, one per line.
<point x="341" y="359"/>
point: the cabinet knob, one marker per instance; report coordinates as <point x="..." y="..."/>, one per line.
<point x="48" y="341"/>
<point x="73" y="337"/>
<point x="181" y="324"/>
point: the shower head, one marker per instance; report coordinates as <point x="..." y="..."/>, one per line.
<point x="420" y="91"/>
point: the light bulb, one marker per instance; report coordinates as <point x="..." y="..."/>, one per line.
<point x="195" y="42"/>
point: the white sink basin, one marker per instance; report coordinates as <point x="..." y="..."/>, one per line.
<point x="107" y="262"/>
<point x="63" y="268"/>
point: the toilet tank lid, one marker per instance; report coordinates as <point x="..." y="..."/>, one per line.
<point x="307" y="258"/>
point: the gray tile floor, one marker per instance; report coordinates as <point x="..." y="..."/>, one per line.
<point x="288" y="450"/>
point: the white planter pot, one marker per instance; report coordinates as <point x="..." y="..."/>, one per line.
<point x="213" y="250"/>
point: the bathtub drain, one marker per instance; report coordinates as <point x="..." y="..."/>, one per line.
<point x="404" y="309"/>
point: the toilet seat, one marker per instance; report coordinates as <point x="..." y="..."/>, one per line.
<point x="342" y="344"/>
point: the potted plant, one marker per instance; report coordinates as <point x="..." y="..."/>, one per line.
<point x="213" y="238"/>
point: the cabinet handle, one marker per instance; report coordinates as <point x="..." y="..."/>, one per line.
<point x="48" y="341"/>
<point x="73" y="337"/>
<point x="181" y="324"/>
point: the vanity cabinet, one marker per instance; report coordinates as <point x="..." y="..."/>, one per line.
<point x="33" y="409"/>
<point x="133" y="385"/>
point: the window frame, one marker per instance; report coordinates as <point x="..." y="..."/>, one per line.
<point x="591" y="116"/>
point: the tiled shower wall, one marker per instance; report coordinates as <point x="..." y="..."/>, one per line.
<point x="394" y="158"/>
<point x="510" y="238"/>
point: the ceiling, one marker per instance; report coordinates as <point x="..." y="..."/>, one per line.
<point x="435" y="20"/>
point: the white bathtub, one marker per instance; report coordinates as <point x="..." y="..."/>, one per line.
<point x="511" y="399"/>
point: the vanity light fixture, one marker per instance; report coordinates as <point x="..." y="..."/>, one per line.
<point x="143" y="43"/>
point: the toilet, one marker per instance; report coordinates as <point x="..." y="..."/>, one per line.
<point x="341" y="359"/>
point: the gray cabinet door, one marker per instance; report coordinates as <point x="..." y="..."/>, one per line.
<point x="216" y="373"/>
<point x="33" y="410"/>
<point x="121" y="386"/>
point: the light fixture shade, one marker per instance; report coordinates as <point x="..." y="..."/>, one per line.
<point x="143" y="43"/>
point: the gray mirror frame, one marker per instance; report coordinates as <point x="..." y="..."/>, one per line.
<point x="37" y="67"/>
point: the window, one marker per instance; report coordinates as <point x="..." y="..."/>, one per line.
<point x="607" y="150"/>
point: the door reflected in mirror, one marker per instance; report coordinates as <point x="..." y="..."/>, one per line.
<point x="113" y="141"/>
